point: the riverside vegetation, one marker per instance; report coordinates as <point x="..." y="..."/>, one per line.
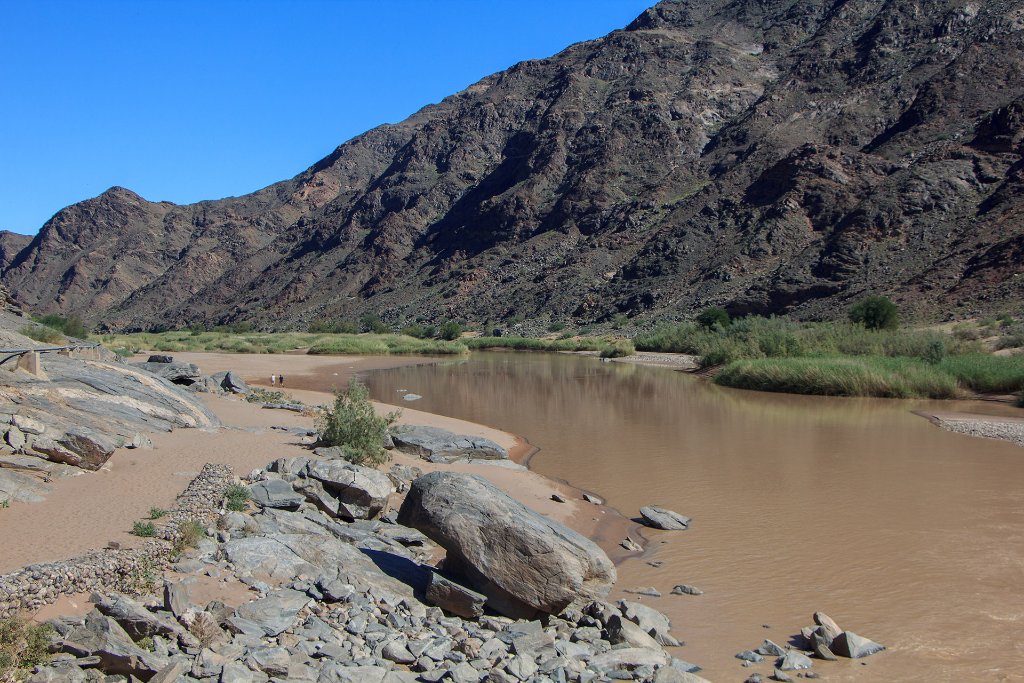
<point x="840" y="358"/>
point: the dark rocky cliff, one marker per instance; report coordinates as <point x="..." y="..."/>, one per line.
<point x="777" y="156"/>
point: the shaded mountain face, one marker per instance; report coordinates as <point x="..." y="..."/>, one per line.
<point x="771" y="156"/>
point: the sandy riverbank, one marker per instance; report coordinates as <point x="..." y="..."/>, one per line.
<point x="94" y="508"/>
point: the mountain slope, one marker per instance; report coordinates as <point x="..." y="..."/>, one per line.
<point x="771" y="156"/>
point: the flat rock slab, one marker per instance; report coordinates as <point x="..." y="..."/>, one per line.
<point x="660" y="518"/>
<point x="276" y="493"/>
<point x="440" y="445"/>
<point x="275" y="613"/>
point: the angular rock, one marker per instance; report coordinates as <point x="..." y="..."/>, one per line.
<point x="653" y="622"/>
<point x="440" y="445"/>
<point x="453" y="598"/>
<point x="669" y="674"/>
<point x="176" y="373"/>
<point x="849" y="644"/>
<point x="828" y="628"/>
<point x="103" y="637"/>
<point x="160" y="358"/>
<point x="362" y="492"/>
<point x="660" y="518"/>
<point x="137" y="621"/>
<point x="686" y="589"/>
<point x="522" y="561"/>
<point x="770" y="649"/>
<point x="276" y="493"/>
<point x="628" y="657"/>
<point x="793" y="661"/>
<point x="621" y="630"/>
<point x="749" y="656"/>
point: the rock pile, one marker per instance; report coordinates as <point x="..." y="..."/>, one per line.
<point x="115" y="569"/>
<point x="336" y="601"/>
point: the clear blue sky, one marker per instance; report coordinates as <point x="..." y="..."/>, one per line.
<point x="190" y="100"/>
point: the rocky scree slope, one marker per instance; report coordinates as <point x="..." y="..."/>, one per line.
<point x="772" y="156"/>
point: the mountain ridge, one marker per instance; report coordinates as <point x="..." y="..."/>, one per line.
<point x="771" y="157"/>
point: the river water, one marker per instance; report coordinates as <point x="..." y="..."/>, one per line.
<point x="903" y="532"/>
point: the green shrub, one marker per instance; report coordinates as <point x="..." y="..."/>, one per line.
<point x="450" y="331"/>
<point x="875" y="313"/>
<point x="23" y="645"/>
<point x="261" y="395"/>
<point x="618" y="349"/>
<point x="157" y="513"/>
<point x="370" y="322"/>
<point x="44" y="334"/>
<point x="354" y="425"/>
<point x="712" y="317"/>
<point x="144" y="529"/>
<point x="71" y="326"/>
<point x="414" y="330"/>
<point x="556" y="326"/>
<point x="236" y="496"/>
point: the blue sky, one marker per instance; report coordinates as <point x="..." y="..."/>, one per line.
<point x="183" y="100"/>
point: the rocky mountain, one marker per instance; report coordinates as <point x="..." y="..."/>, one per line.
<point x="771" y="156"/>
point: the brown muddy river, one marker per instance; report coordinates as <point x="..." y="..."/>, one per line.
<point x="903" y="532"/>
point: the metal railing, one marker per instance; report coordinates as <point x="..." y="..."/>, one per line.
<point x="16" y="353"/>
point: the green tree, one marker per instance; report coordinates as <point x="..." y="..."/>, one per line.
<point x="710" y="317"/>
<point x="450" y="330"/>
<point x="355" y="426"/>
<point x="371" y="322"/>
<point x="875" y="313"/>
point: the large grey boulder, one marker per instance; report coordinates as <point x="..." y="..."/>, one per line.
<point x="523" y="562"/>
<point x="660" y="518"/>
<point x="18" y="486"/>
<point x="440" y="445"/>
<point x="177" y="373"/>
<point x="361" y="492"/>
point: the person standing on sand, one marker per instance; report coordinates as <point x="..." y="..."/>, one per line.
<point x="280" y="380"/>
<point x="273" y="380"/>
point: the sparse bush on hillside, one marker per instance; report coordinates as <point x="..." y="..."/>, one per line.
<point x="875" y="313"/>
<point x="354" y="425"/>
<point x="714" y="316"/>
<point x="236" y="496"/>
<point x="71" y="326"/>
<point x="372" y="323"/>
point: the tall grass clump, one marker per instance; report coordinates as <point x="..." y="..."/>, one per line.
<point x="355" y="426"/>
<point x="618" y="349"/>
<point x="382" y="344"/>
<point x="44" y="334"/>
<point x="71" y="325"/>
<point x="987" y="374"/>
<point x="861" y="376"/>
<point x="534" y="344"/>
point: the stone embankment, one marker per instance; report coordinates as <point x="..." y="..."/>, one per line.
<point x="121" y="569"/>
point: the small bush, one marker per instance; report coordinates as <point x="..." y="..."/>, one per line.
<point x="236" y="496"/>
<point x="353" y="424"/>
<point x="450" y="331"/>
<point x="71" y="326"/>
<point x="157" y="513"/>
<point x="372" y="323"/>
<point x="23" y="645"/>
<point x="415" y="330"/>
<point x="44" y="334"/>
<point x="144" y="529"/>
<point x="875" y="313"/>
<point x="709" y="318"/>
<point x="188" y="535"/>
<point x="618" y="349"/>
<point x="261" y="395"/>
<point x="557" y="326"/>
